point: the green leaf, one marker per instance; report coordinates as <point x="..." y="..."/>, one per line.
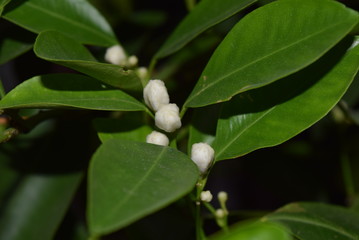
<point x="69" y="91"/>
<point x="75" y="18"/>
<point x="58" y="48"/>
<point x="308" y="221"/>
<point x="264" y="47"/>
<point x="272" y="114"/>
<point x="255" y="231"/>
<point x="206" y="14"/>
<point x="38" y="206"/>
<point x="129" y="180"/>
<point x="15" y="42"/>
<point x="128" y="128"/>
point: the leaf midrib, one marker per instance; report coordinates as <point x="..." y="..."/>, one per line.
<point x="54" y="103"/>
<point x="339" y="229"/>
<point x="264" y="57"/>
<point x="55" y="15"/>
<point x="136" y="186"/>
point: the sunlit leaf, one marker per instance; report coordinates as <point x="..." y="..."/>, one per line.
<point x="69" y="91"/>
<point x="308" y="221"/>
<point x="58" y="48"/>
<point x="129" y="180"/>
<point x="76" y="18"/>
<point x="271" y="115"/>
<point x="264" y="47"/>
<point x="255" y="231"/>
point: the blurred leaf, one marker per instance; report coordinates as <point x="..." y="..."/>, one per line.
<point x="127" y="128"/>
<point x="69" y="91"/>
<point x="206" y="14"/>
<point x="272" y="114"/>
<point x="129" y="180"/>
<point x="255" y="231"/>
<point x="38" y="206"/>
<point x="15" y="42"/>
<point x="8" y="175"/>
<point x="3" y="4"/>
<point x="148" y="18"/>
<point x="308" y="221"/>
<point x="58" y="48"/>
<point x="75" y="18"/>
<point x="264" y="47"/>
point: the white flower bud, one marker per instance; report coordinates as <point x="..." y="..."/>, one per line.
<point x="222" y="196"/>
<point x="157" y="138"/>
<point x="142" y="72"/>
<point x="155" y="94"/>
<point x="132" y="61"/>
<point x="220" y="213"/>
<point x="116" y="55"/>
<point x="167" y="118"/>
<point x="202" y="154"/>
<point x="206" y="196"/>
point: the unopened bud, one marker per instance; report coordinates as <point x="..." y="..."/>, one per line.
<point x="202" y="154"/>
<point x="167" y="118"/>
<point x="206" y="196"/>
<point x="222" y="196"/>
<point x="157" y="138"/>
<point x="155" y="94"/>
<point x="220" y="213"/>
<point x="115" y="55"/>
<point x="142" y="72"/>
<point x="132" y="61"/>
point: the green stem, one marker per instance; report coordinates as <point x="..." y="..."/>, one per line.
<point x="150" y="70"/>
<point x="199" y="221"/>
<point x="210" y="208"/>
<point x="190" y="4"/>
<point x="199" y="230"/>
<point x="2" y="90"/>
<point x="183" y="111"/>
<point x="347" y="177"/>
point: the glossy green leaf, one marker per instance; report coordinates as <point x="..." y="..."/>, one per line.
<point x="308" y="221"/>
<point x="264" y="47"/>
<point x="14" y="42"/>
<point x="38" y="206"/>
<point x="128" y="128"/>
<point x="58" y="48"/>
<point x="69" y="91"/>
<point x="76" y="18"/>
<point x="255" y="231"/>
<point x="206" y="14"/>
<point x="129" y="180"/>
<point x="272" y="114"/>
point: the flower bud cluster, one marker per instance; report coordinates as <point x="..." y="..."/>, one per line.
<point x="167" y="114"/>
<point x="117" y="55"/>
<point x="206" y="196"/>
